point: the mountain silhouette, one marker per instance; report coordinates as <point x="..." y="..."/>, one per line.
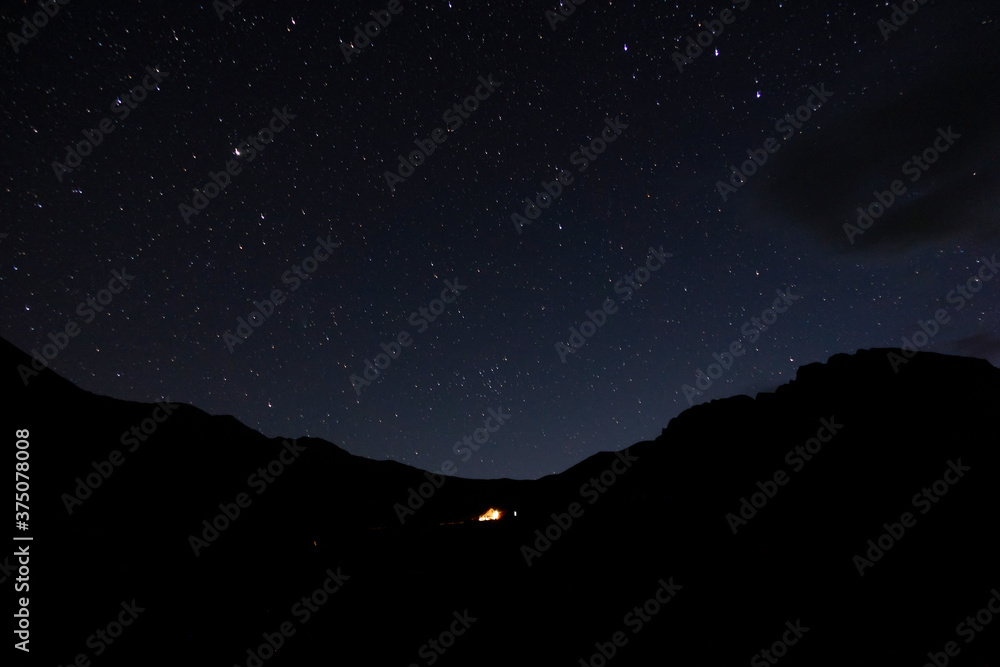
<point x="848" y="517"/>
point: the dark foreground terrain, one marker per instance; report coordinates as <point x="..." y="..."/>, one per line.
<point x="648" y="556"/>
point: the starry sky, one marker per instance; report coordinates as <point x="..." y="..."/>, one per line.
<point x="624" y="133"/>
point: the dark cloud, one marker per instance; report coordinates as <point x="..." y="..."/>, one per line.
<point x="853" y="147"/>
<point x="982" y="345"/>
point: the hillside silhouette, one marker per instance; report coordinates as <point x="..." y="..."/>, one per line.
<point x="831" y="460"/>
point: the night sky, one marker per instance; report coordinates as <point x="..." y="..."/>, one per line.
<point x="635" y="145"/>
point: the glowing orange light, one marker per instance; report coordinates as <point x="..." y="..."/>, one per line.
<point x="490" y="515"/>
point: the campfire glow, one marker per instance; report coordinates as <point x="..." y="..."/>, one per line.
<point x="490" y="515"/>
